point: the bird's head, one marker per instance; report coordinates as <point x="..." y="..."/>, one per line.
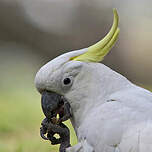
<point x="74" y="75"/>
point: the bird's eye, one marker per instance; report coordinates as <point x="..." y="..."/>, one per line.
<point x="67" y="81"/>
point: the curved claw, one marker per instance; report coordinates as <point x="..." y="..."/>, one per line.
<point x="42" y="133"/>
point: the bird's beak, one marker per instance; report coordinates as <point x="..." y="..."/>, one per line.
<point x="50" y="102"/>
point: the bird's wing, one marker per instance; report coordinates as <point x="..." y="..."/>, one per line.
<point x="136" y="98"/>
<point x="137" y="137"/>
<point x="122" y="123"/>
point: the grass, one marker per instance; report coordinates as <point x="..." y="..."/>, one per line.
<point x="20" y="120"/>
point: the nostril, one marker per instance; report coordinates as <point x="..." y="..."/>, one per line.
<point x="40" y="90"/>
<point x="44" y="90"/>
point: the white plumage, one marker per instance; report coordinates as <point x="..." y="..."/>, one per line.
<point x="109" y="113"/>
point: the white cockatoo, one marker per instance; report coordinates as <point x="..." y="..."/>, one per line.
<point x="109" y="113"/>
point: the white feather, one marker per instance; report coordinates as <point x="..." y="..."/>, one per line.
<point x="110" y="112"/>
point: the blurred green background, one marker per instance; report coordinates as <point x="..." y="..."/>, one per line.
<point x="32" y="32"/>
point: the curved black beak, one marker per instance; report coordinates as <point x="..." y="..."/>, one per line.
<point x="50" y="101"/>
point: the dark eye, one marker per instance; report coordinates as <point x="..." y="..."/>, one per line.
<point x="67" y="81"/>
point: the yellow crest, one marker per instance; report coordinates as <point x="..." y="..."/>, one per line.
<point x="98" y="51"/>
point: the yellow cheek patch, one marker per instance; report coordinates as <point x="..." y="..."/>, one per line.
<point x="98" y="51"/>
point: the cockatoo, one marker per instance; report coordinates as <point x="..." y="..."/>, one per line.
<point x="109" y="113"/>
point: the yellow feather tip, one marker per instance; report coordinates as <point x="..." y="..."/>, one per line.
<point x="98" y="51"/>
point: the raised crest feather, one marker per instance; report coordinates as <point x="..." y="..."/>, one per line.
<point x="98" y="51"/>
